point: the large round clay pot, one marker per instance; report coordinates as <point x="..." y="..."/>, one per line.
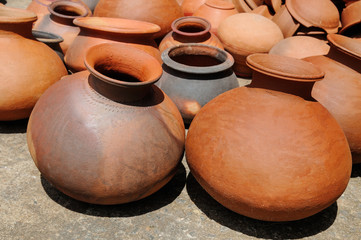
<point x="60" y="20"/>
<point x="114" y="136"/>
<point x="161" y="12"/>
<point x="97" y="30"/>
<point x="282" y="158"/>
<point x="194" y="74"/>
<point x="246" y="33"/>
<point x="190" y="30"/>
<point x="27" y="67"/>
<point x="51" y="40"/>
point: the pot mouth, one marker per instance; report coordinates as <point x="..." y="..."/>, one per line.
<point x="346" y="45"/>
<point x="284" y="67"/>
<point x="68" y="9"/>
<point x="220" y="4"/>
<point x="197" y="58"/>
<point x="191" y="26"/>
<point x="47" y="37"/>
<point x="122" y="65"/>
<point x="117" y="25"/>
<point x="14" y="15"/>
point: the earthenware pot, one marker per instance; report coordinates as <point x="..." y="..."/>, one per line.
<point x="286" y="22"/>
<point x="190" y="30"/>
<point x="193" y="74"/>
<point x="241" y="6"/>
<point x="115" y="136"/>
<point x="161" y="12"/>
<point x="263" y="10"/>
<point x="28" y="67"/>
<point x="215" y="11"/>
<point x="267" y="136"/>
<point x="351" y="19"/>
<point x="246" y="33"/>
<point x="190" y="6"/>
<point x="274" y="5"/>
<point x="51" y="40"/>
<point x="96" y="30"/>
<point x="60" y="20"/>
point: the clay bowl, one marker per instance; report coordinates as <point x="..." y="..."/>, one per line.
<point x="350" y="17"/>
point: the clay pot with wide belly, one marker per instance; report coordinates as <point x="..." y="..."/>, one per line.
<point x="110" y="135"/>
<point x="282" y="158"/>
<point x="27" y="67"/>
<point x="97" y="30"/>
<point x="194" y="74"/>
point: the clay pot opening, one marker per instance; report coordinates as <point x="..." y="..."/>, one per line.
<point x="109" y="69"/>
<point x="191" y="26"/>
<point x="67" y="9"/>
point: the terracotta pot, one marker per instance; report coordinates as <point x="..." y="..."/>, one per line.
<point x="215" y="11"/>
<point x="51" y="40"/>
<point x="60" y="20"/>
<point x="274" y="5"/>
<point x="322" y="14"/>
<point x="161" y="12"/>
<point x="300" y="47"/>
<point x="190" y="30"/>
<point x="193" y="74"/>
<point x="28" y="67"/>
<point x="286" y="22"/>
<point x="190" y="6"/>
<point x="96" y="30"/>
<point x="350" y="18"/>
<point x="339" y="92"/>
<point x="115" y="136"/>
<point x="91" y="4"/>
<point x="263" y="10"/>
<point x="246" y="33"/>
<point x="253" y="4"/>
<point x="242" y="6"/>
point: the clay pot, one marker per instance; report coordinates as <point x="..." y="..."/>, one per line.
<point x="190" y="30"/>
<point x="91" y="4"/>
<point x="96" y="30"/>
<point x="193" y="74"/>
<point x="263" y="10"/>
<point x="51" y="40"/>
<point x="161" y="12"/>
<point x="60" y="20"/>
<point x="274" y="5"/>
<point x="115" y="136"/>
<point x="241" y="6"/>
<point x="28" y="67"/>
<point x="300" y="47"/>
<point x="285" y="22"/>
<point x="246" y="33"/>
<point x="339" y="92"/>
<point x="190" y="6"/>
<point x="215" y="11"/>
<point x="322" y="14"/>
<point x="351" y="19"/>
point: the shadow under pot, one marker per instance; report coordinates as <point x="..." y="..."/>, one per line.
<point x="193" y="74"/>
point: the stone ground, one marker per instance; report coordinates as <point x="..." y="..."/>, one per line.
<point x="30" y="208"/>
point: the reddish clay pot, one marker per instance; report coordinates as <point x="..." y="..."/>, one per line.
<point x="60" y="20"/>
<point x="215" y="11"/>
<point x="286" y="22"/>
<point x="161" y="12"/>
<point x="115" y="136"/>
<point x="190" y="30"/>
<point x="96" y="30"/>
<point x="263" y="10"/>
<point x="28" y="67"/>
<point x="194" y="74"/>
<point x="51" y="40"/>
<point x="242" y="6"/>
<point x="350" y="18"/>
<point x="190" y="6"/>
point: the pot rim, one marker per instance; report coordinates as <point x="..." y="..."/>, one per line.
<point x="340" y="43"/>
<point x="85" y="11"/>
<point x="15" y="15"/>
<point x="47" y="37"/>
<point x="191" y="19"/>
<point x="354" y="7"/>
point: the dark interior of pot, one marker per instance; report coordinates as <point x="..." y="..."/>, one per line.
<point x="68" y="11"/>
<point x="110" y="70"/>
<point x="191" y="28"/>
<point x="197" y="56"/>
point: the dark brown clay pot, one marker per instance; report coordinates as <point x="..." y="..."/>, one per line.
<point x="190" y="30"/>
<point x="27" y="67"/>
<point x="111" y="136"/>
<point x="97" y="30"/>
<point x="193" y="74"/>
<point x="160" y="12"/>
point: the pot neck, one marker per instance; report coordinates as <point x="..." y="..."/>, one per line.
<point x="64" y="12"/>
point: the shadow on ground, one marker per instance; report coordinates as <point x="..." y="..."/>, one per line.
<point x="356" y="170"/>
<point x="18" y="126"/>
<point x="3" y="2"/>
<point x="260" y="229"/>
<point x="163" y="197"/>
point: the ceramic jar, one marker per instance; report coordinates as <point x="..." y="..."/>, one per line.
<point x="190" y="30"/>
<point x="193" y="74"/>
<point x="51" y="40"/>
<point x="215" y="11"/>
<point x="246" y="33"/>
<point x="161" y="12"/>
<point x="115" y="136"/>
<point x="28" y="67"/>
<point x="96" y="30"/>
<point x="60" y="20"/>
<point x="190" y="6"/>
<point x="282" y="158"/>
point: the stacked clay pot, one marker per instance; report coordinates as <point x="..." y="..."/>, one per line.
<point x="115" y="136"/>
<point x="28" y="67"/>
<point x="282" y="158"/>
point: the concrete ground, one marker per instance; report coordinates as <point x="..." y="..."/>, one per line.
<point x="30" y="208"/>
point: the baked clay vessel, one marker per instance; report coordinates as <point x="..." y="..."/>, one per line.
<point x="190" y="6"/>
<point x="286" y="22"/>
<point x="190" y="30"/>
<point x="215" y="11"/>
<point x="241" y="6"/>
<point x="263" y="10"/>
<point x="300" y="47"/>
<point x="96" y="30"/>
<point x="246" y="33"/>
<point x="115" y="136"/>
<point x="161" y="12"/>
<point x="28" y="67"/>
<point x="51" y="40"/>
<point x="60" y="20"/>
<point x="351" y="19"/>
<point x="339" y="92"/>
<point x="194" y="74"/>
<point x="274" y="5"/>
<point x="321" y="13"/>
